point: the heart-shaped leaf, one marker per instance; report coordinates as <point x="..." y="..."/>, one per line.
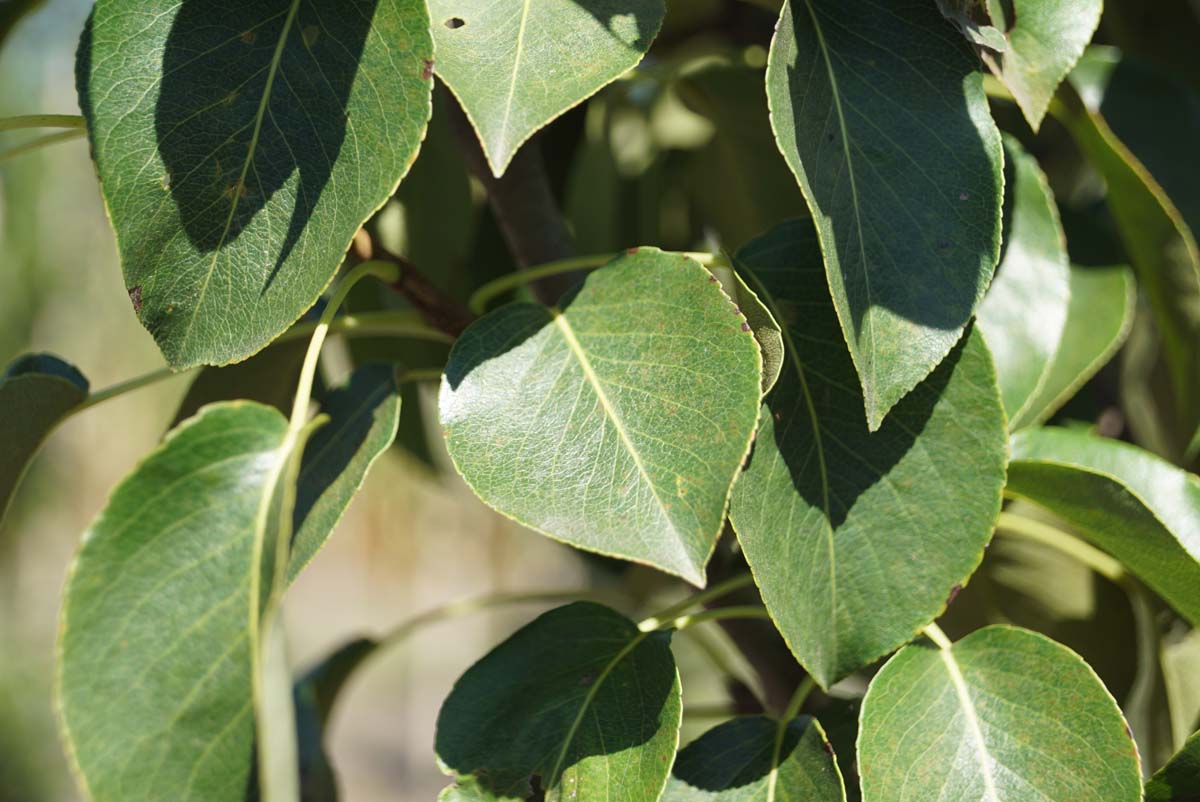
<point x="900" y="163"/>
<point x="1003" y="715"/>
<point x="578" y="704"/>
<point x="615" y="422"/>
<point x="1179" y="780"/>
<point x="1025" y="311"/>
<point x="755" y="757"/>
<point x="161" y="614"/>
<point x="36" y="392"/>
<point x="515" y="66"/>
<point x="856" y="538"/>
<point x="247" y="144"/>
<point x="1142" y="510"/>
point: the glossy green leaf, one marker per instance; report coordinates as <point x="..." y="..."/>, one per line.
<point x="1025" y="311"/>
<point x="1142" y="510"/>
<point x="1156" y="235"/>
<point x="162" y="608"/>
<point x="1099" y="317"/>
<point x="516" y="66"/>
<point x="1042" y="45"/>
<point x="578" y="703"/>
<point x="1003" y="715"/>
<point x="615" y="422"/>
<point x="766" y="330"/>
<point x="754" y="758"/>
<point x="900" y="163"/>
<point x="36" y="392"/>
<point x="1179" y="780"/>
<point x="857" y="538"/>
<point x="247" y="144"/>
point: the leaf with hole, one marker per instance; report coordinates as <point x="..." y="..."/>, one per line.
<point x="900" y="163"/>
<point x="616" y="421"/>
<point x="1003" y="715"/>
<point x="578" y="704"/>
<point x="516" y="66"/>
<point x="755" y="757"/>
<point x="233" y="159"/>
<point x="37" y="391"/>
<point x="1142" y="510"/>
<point x="857" y="538"/>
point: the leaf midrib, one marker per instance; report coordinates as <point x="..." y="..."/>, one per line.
<point x="974" y="730"/>
<point x="512" y="84"/>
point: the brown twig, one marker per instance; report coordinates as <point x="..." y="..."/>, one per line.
<point x="437" y="308"/>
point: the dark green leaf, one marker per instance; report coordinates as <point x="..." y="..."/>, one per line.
<point x="756" y="758"/>
<point x="1142" y="510"/>
<point x="36" y="392"/>
<point x="1003" y="715"/>
<point x="578" y="703"/>
<point x="615" y="422"/>
<point x="516" y="66"/>
<point x="248" y="143"/>
<point x="856" y="538"/>
<point x="269" y="377"/>
<point x="1179" y="780"/>
<point x="1025" y="311"/>
<point x="900" y="162"/>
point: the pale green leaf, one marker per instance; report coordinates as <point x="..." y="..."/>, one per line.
<point x="1179" y="780"/>
<point x="766" y="330"/>
<point x="247" y="143"/>
<point x="578" y="703"/>
<point x="515" y="66"/>
<point x="1025" y="311"/>
<point x="755" y="758"/>
<point x="1142" y="510"/>
<point x="615" y="422"/>
<point x="36" y="392"/>
<point x="1179" y="657"/>
<point x="857" y="538"/>
<point x="1003" y="715"/>
<point x="880" y="112"/>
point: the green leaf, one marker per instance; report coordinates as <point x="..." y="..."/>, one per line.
<point x="1142" y="510"/>
<point x="1043" y="44"/>
<point x="1179" y="780"/>
<point x="766" y="330"/>
<point x="1003" y="715"/>
<point x="900" y="163"/>
<point x="971" y="18"/>
<point x="615" y="422"/>
<point x="1179" y="658"/>
<point x="578" y="703"/>
<point x="516" y="66"/>
<point x="1025" y="311"/>
<point x="755" y="757"/>
<point x="1099" y="316"/>
<point x="269" y="377"/>
<point x="247" y="144"/>
<point x="162" y="609"/>
<point x="857" y="538"/>
<point x="37" y="391"/>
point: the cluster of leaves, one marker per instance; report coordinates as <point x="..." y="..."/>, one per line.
<point x="859" y="394"/>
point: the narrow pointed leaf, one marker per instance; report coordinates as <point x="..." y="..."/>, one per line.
<point x="754" y="758"/>
<point x="36" y="392"/>
<point x="1142" y="510"/>
<point x="578" y="703"/>
<point x="1003" y="715"/>
<point x="1179" y="780"/>
<point x="1025" y="311"/>
<point x="857" y="538"/>
<point x="515" y="66"/>
<point x="615" y="422"/>
<point x="1047" y="37"/>
<point x="900" y="163"/>
<point x="247" y="144"/>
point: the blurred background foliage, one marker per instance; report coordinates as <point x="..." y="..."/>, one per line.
<point x="677" y="154"/>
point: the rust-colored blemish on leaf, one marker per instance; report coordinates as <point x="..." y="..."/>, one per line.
<point x="427" y="70"/>
<point x="135" y="297"/>
<point x="248" y="37"/>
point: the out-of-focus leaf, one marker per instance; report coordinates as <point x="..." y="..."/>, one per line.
<point x="1179" y="780"/>
<point x="1139" y="508"/>
<point x="1025" y="311"/>
<point x="1003" y="715"/>
<point x="233" y="161"/>
<point x="900" y="162"/>
<point x="756" y="757"/>
<point x="618" y="420"/>
<point x="1180" y="660"/>
<point x="36" y="392"/>
<point x="269" y="377"/>
<point x="11" y="12"/>
<point x="857" y="538"/>
<point x="516" y="66"/>
<point x="577" y="704"/>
